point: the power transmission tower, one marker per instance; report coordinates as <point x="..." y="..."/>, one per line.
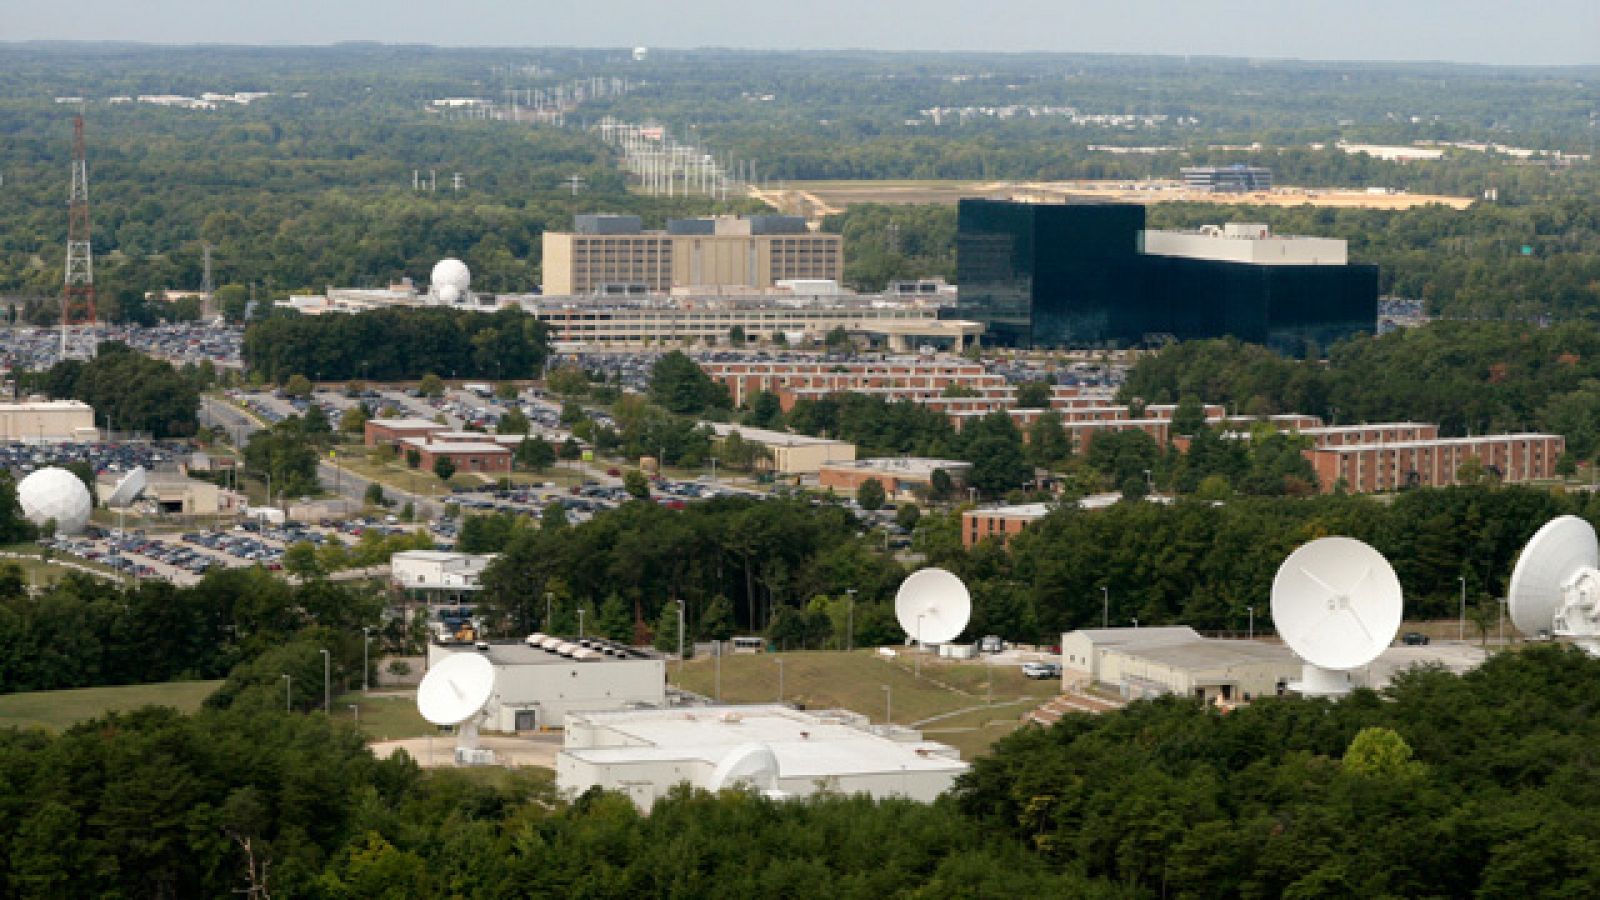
<point x="77" y="297"/>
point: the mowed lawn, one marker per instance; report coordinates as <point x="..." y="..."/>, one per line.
<point x="856" y="681"/>
<point x="58" y="710"/>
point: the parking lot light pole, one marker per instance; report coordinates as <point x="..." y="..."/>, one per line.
<point x="1463" y="635"/>
<point x="850" y="630"/>
<point x="327" y="681"/>
<point x="1105" y="606"/>
<point x="1252" y="612"/>
<point x="366" y="643"/>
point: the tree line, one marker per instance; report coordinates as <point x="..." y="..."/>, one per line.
<point x="397" y="345"/>
<point x="1468" y="377"/>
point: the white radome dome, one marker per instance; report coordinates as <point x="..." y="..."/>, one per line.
<point x="450" y="273"/>
<point x="450" y="294"/>
<point x="55" y="493"/>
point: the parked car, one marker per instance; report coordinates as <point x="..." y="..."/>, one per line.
<point x="1040" y="671"/>
<point x="1414" y="638"/>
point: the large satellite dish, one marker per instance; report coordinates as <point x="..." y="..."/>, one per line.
<point x="454" y="692"/>
<point x="456" y="689"/>
<point x="1337" y="603"/>
<point x="128" y="489"/>
<point x="933" y="606"/>
<point x="1555" y="587"/>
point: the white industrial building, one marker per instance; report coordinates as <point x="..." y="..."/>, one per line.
<point x="1147" y="662"/>
<point x="644" y="753"/>
<point x="438" y="570"/>
<point x="540" y="681"/>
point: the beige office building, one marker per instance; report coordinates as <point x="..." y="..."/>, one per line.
<point x="47" y="421"/>
<point x="612" y="254"/>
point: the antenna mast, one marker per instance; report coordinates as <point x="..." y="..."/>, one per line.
<point x="77" y="298"/>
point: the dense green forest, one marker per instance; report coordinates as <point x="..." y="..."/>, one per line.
<point x="130" y="391"/>
<point x="1469" y="377"/>
<point x="397" y="345"/>
<point x="738" y="564"/>
<point x="1442" y="785"/>
<point x="1478" y="785"/>
<point x="313" y="185"/>
<point x="309" y="187"/>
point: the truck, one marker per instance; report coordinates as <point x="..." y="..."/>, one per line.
<point x="479" y="388"/>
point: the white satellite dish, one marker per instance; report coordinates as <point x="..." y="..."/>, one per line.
<point x="128" y="489"/>
<point x="454" y="692"/>
<point x="933" y="606"/>
<point x="1555" y="587"/>
<point x="752" y="765"/>
<point x="456" y="689"/>
<point x="1338" y="604"/>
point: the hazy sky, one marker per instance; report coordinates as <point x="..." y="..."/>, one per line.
<point x="1490" y="31"/>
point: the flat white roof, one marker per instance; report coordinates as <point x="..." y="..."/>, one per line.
<point x="454" y="446"/>
<point x="772" y="438"/>
<point x="1434" y="443"/>
<point x="408" y="423"/>
<point x="43" y="406"/>
<point x="1018" y="511"/>
<point x="807" y="744"/>
<point x="912" y="465"/>
<point x="1201" y="654"/>
<point x="1113" y="637"/>
<point x="442" y="556"/>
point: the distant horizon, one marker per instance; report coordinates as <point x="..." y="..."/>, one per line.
<point x="798" y="51"/>
<point x="1550" y="34"/>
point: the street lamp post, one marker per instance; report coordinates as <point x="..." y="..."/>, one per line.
<point x="288" y="693"/>
<point x="680" y="639"/>
<point x="1136" y="623"/>
<point x="850" y="629"/>
<point x="1463" y="629"/>
<point x="549" y="597"/>
<point x="888" y="705"/>
<point x="327" y="682"/>
<point x="581" y="611"/>
<point x="366" y="665"/>
<point x="1105" y="606"/>
<point x="919" y="646"/>
<point x="1252" y="611"/>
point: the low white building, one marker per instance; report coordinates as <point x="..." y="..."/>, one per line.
<point x="438" y="570"/>
<point x="644" y="753"/>
<point x="538" y="686"/>
<point x="1147" y="662"/>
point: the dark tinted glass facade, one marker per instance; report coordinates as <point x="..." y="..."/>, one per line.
<point x="1049" y="275"/>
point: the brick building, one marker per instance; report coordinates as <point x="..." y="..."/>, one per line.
<point x="1365" y="468"/>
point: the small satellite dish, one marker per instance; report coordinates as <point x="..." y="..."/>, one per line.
<point x="1338" y="604"/>
<point x="1555" y="587"/>
<point x="456" y="689"/>
<point x="751" y="765"/>
<point x="933" y="606"/>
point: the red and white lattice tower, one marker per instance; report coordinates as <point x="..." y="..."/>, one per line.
<point x="77" y="299"/>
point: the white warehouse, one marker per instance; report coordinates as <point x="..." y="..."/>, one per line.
<point x="782" y="751"/>
<point x="540" y="681"/>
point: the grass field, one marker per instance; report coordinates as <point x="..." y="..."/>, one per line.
<point x="855" y="681"/>
<point x="42" y="573"/>
<point x="384" y="717"/>
<point x="57" y="710"/>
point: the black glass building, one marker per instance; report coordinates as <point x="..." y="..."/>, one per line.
<point x="1075" y="275"/>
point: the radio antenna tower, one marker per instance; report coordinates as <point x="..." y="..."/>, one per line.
<point x="77" y="298"/>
